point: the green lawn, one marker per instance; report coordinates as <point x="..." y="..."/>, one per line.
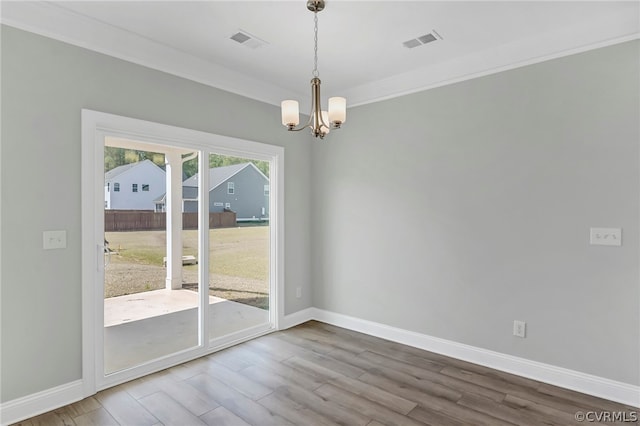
<point x="238" y="262"/>
<point x="241" y="252"/>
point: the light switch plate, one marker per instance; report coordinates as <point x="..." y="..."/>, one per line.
<point x="606" y="237"/>
<point x="54" y="240"/>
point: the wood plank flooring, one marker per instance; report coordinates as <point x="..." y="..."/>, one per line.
<point x="317" y="374"/>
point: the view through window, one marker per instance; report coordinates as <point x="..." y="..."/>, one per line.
<point x="150" y="311"/>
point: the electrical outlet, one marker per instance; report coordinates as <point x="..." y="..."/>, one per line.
<point x="605" y="236"/>
<point x="298" y="292"/>
<point x="519" y="328"/>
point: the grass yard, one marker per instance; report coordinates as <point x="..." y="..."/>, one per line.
<point x="238" y="262"/>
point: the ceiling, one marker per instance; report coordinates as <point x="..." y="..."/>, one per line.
<point x="361" y="52"/>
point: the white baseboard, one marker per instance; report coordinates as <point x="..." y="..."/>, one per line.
<point x="31" y="405"/>
<point x="297" y="318"/>
<point x="41" y="402"/>
<point x="558" y="376"/>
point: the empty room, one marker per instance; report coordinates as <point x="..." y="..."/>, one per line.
<point x="319" y="212"/>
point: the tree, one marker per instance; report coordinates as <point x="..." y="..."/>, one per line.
<point x="217" y="160"/>
<point x="114" y="157"/>
<point x="190" y="168"/>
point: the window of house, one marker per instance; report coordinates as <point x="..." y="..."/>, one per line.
<point x="217" y="204"/>
<point x="231" y="188"/>
<point x="266" y="190"/>
<point x="227" y="206"/>
<point x="116" y="187"/>
<point x="145" y="187"/>
<point x="134" y="187"/>
<point x="108" y="186"/>
<point x="106" y="204"/>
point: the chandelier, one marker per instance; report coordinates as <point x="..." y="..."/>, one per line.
<point x="320" y="122"/>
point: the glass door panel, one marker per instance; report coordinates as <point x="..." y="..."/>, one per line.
<point x="239" y="251"/>
<point x="150" y="288"/>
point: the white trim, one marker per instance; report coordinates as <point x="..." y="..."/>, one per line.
<point x="298" y="318"/>
<point x="53" y="21"/>
<point x="222" y="342"/>
<point x="96" y="126"/>
<point x="563" y="377"/>
<point x="469" y="67"/>
<point x="32" y="405"/>
<point x="50" y="20"/>
<point x="41" y="402"/>
<point x="89" y="256"/>
<point x="203" y="247"/>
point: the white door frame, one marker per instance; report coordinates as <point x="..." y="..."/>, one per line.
<point x="95" y="127"/>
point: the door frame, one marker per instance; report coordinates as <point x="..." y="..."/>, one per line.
<point x="95" y="127"/>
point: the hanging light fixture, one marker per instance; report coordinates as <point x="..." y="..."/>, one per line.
<point x="320" y="122"/>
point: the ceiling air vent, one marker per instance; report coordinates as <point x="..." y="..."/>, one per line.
<point x="248" y="40"/>
<point x="419" y="41"/>
<point x="414" y="42"/>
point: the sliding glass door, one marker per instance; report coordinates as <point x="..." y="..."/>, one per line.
<point x="188" y="240"/>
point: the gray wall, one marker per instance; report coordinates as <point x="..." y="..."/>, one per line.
<point x="45" y="83"/>
<point x="454" y="211"/>
<point x="457" y="211"/>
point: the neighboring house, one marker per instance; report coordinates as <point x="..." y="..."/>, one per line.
<point x="133" y="186"/>
<point x="242" y="188"/>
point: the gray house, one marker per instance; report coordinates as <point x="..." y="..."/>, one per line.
<point x="242" y="188"/>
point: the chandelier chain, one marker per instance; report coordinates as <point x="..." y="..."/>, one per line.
<point x="315" y="41"/>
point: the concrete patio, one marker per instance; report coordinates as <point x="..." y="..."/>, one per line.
<point x="144" y="326"/>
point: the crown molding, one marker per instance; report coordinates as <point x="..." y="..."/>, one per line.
<point x="51" y="21"/>
<point x="608" y="30"/>
<point x="54" y="22"/>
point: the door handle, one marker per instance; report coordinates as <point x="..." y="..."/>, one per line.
<point x="103" y="261"/>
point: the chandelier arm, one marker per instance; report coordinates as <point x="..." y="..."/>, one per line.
<point x="322" y="122"/>
<point x="294" y="129"/>
<point x="297" y="129"/>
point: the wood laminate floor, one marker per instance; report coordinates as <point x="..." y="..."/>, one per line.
<point x="317" y="374"/>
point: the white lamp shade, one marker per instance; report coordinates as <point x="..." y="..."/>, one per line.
<point x="290" y="114"/>
<point x="337" y="110"/>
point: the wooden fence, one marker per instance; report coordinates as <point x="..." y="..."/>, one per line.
<point x="147" y="220"/>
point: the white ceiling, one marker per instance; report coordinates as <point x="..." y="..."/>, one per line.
<point x="361" y="55"/>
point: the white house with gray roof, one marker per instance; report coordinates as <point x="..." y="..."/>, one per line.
<point x="242" y="188"/>
<point x="134" y="186"/>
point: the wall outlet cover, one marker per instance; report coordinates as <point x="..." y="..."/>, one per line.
<point x="605" y="236"/>
<point x="519" y="328"/>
